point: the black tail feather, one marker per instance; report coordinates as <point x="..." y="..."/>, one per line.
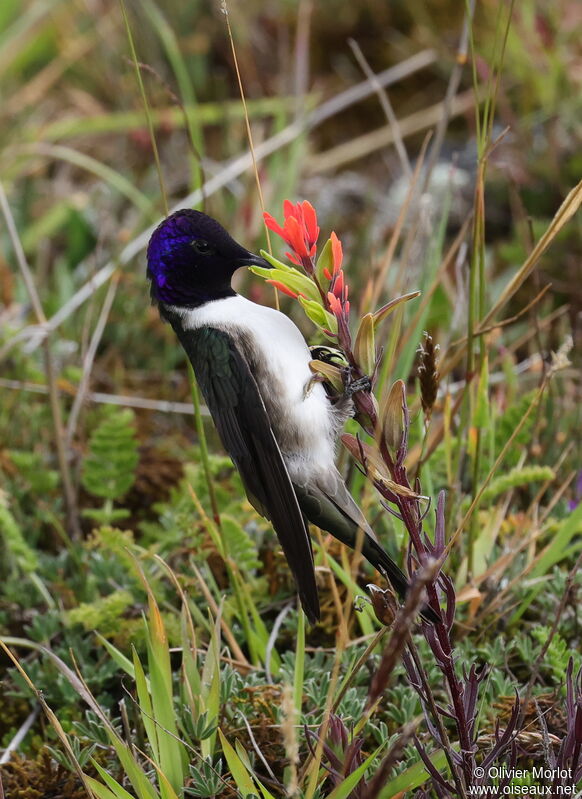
<point x="380" y="559"/>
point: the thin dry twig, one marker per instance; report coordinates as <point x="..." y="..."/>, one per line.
<point x="451" y="93"/>
<point x="238" y="653"/>
<point x="54" y="398"/>
<point x="243" y="100"/>
<point x="100" y="397"/>
<point x="554" y="629"/>
<point x="564" y="213"/>
<point x="20" y="735"/>
<point x="394" y="238"/>
<point x="55" y="723"/>
<point x="481" y="331"/>
<point x="89" y="359"/>
<point x="273" y="638"/>
<point x="230" y="172"/>
<point x="257" y="749"/>
<point x="386" y="107"/>
<point x="367" y="143"/>
<point x="301" y="76"/>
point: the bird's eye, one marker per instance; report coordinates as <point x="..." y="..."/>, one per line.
<point x="202" y="247"/>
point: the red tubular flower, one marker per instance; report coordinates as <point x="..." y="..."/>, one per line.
<point x="310" y="224"/>
<point x="338" y="285"/>
<point x="299" y="231"/>
<point x="282" y="287"/>
<point x="335" y="305"/>
<point x="338" y="303"/>
<point x="296" y="236"/>
<point x="336" y="253"/>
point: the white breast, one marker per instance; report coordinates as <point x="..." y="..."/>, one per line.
<point x="310" y="448"/>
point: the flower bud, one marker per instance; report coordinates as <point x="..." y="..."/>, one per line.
<point x="392" y="420"/>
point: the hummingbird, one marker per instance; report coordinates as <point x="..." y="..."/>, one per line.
<point x="251" y="363"/>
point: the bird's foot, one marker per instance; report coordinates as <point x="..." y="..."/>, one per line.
<point x="361" y="384"/>
<point x="311" y="383"/>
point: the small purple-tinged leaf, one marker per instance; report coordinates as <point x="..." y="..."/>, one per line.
<point x="436" y="775"/>
<point x="385" y="311"/>
<point x="365" y="345"/>
<point x="392" y="419"/>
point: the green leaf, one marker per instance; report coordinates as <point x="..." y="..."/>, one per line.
<point x="385" y="311"/>
<point x="134" y="771"/>
<point x="239" y="545"/>
<point x="481" y="416"/>
<point x="413" y="777"/>
<point x="365" y="346"/>
<point x="243" y="754"/>
<point x="166" y="789"/>
<point x="122" y="661"/>
<point x="104" y="793"/>
<point x="13" y="546"/>
<point x="344" y="789"/>
<point x="113" y="789"/>
<point x="211" y="686"/>
<point x="145" y="704"/>
<point x="299" y="672"/>
<point x="172" y="756"/>
<point x="317" y="313"/>
<point x="325" y="261"/>
<point x="555" y="551"/>
<point x="237" y="768"/>
<point x="109" y="468"/>
<point x="191" y="675"/>
<point x="276" y="264"/>
<point x="292" y="278"/>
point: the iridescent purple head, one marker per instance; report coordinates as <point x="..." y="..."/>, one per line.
<point x="191" y="259"/>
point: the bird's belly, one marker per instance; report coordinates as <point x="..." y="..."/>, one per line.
<point x="300" y="412"/>
<point x="301" y="416"/>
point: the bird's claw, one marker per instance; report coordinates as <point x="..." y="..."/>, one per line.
<point x="361" y="384"/>
<point x="311" y="383"/>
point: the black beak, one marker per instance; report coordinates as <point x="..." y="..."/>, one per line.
<point x="254" y="260"/>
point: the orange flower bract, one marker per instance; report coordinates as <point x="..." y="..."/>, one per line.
<point x="300" y="230"/>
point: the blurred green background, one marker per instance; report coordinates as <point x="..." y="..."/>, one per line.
<point x="79" y="173"/>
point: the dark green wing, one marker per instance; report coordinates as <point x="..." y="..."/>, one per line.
<point x="238" y="411"/>
<point x="335" y="510"/>
<point x="338" y="514"/>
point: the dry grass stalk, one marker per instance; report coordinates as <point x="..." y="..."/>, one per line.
<point x="230" y="172"/>
<point x="403" y="624"/>
<point x="51" y="376"/>
<point x="428" y="374"/>
<point x="290" y="742"/>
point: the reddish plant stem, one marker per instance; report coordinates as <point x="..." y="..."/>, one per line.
<point x="309" y="266"/>
<point x="411" y="517"/>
